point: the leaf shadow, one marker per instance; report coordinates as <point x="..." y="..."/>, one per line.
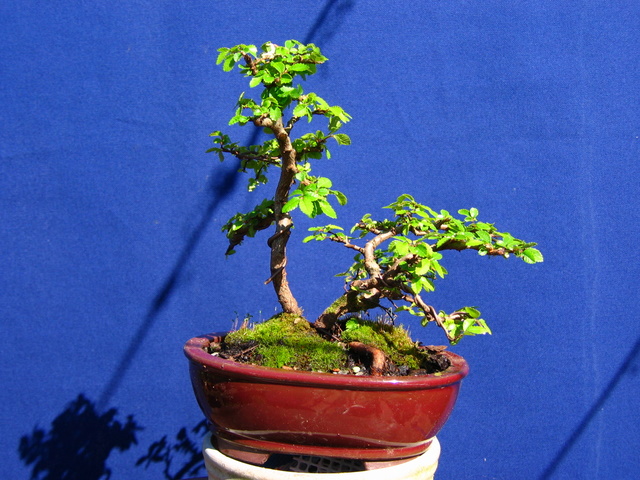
<point x="220" y="187"/>
<point x="184" y="451"/>
<point x="78" y="444"/>
<point x="80" y="440"/>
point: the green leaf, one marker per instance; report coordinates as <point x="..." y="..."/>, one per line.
<point x="307" y="206"/>
<point x="252" y="49"/>
<point x="323" y="182"/>
<point x="339" y="112"/>
<point x="484" y="236"/>
<point x="472" y="312"/>
<point x="292" y="204"/>
<point x="341" y="197"/>
<point x="298" y="67"/>
<point x="255" y="81"/>
<point x="400" y="248"/>
<point x="342" y="138"/>
<point x="221" y="55"/>
<point x="532" y="255"/>
<point x="427" y="284"/>
<point x="424" y="250"/>
<point x="327" y="209"/>
<point x="439" y="269"/>
<point x="275" y="113"/>
<point x="300" y="110"/>
<point x="241" y="119"/>
<point x="229" y="63"/>
<point x="286" y="78"/>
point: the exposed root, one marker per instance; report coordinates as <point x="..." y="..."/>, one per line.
<point x="377" y="357"/>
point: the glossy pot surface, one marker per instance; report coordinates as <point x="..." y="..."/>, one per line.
<point x="284" y="411"/>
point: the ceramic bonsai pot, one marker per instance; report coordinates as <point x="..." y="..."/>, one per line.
<point x="281" y="411"/>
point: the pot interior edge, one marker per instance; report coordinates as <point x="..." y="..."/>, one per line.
<point x="195" y="351"/>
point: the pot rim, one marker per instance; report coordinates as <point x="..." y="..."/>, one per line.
<point x="194" y="350"/>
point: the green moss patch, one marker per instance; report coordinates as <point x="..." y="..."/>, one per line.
<point x="287" y="341"/>
<point x="290" y="341"/>
<point x="393" y="340"/>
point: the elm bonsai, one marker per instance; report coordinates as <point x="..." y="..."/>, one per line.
<point x="397" y="260"/>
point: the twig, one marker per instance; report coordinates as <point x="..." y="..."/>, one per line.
<point x="244" y="352"/>
<point x="277" y="272"/>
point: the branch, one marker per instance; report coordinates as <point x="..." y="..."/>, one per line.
<point x="430" y="313"/>
<point x="292" y="121"/>
<point x="243" y="156"/>
<point x="248" y="229"/>
<point x="251" y="63"/>
<point x="461" y="245"/>
<point x="345" y="241"/>
<point x="369" y="228"/>
<point x="370" y="264"/>
<point x="394" y="269"/>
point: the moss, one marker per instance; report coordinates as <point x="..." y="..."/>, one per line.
<point x="289" y="341"/>
<point x="394" y="341"/>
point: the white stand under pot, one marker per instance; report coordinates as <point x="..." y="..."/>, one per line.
<point x="222" y="467"/>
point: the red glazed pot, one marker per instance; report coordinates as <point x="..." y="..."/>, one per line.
<point x="283" y="411"/>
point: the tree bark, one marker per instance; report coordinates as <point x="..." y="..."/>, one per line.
<point x="376" y="356"/>
<point x="350" y="302"/>
<point x="278" y="242"/>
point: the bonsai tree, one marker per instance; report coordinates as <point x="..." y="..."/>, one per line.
<point x="398" y="259"/>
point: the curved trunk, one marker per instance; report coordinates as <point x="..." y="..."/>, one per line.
<point x="350" y="302"/>
<point x="278" y="242"/>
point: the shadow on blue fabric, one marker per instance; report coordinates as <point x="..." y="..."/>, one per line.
<point x="81" y="439"/>
<point x="628" y="367"/>
<point x="78" y="444"/>
<point x="185" y="452"/>
<point x="220" y="187"/>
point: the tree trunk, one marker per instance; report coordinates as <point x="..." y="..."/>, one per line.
<point x="278" y="242"/>
<point x="350" y="302"/>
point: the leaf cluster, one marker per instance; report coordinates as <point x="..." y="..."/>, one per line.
<point x="311" y="196"/>
<point x="398" y="259"/>
<point x="281" y="103"/>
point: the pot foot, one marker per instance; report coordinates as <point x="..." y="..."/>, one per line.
<point x="229" y="462"/>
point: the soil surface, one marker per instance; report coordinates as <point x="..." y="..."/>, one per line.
<point x="360" y="365"/>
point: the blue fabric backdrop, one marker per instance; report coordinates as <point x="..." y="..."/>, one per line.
<point x="110" y="214"/>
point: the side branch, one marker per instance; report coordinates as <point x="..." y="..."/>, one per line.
<point x="460" y="245"/>
<point x="251" y="63"/>
<point x="346" y="243"/>
<point x="244" y="156"/>
<point x="370" y="264"/>
<point x="430" y="314"/>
